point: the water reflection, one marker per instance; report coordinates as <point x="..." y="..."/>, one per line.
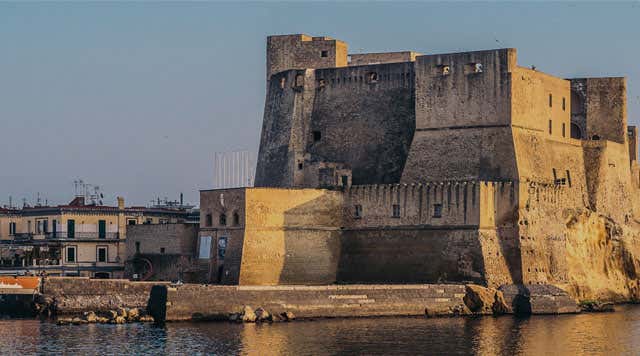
<point x="611" y="333"/>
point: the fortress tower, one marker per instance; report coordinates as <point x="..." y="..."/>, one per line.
<point x="409" y="168"/>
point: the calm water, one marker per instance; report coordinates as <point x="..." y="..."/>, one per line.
<point x="612" y="333"/>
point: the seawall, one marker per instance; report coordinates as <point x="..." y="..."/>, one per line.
<point x="217" y="302"/>
<point x="168" y="302"/>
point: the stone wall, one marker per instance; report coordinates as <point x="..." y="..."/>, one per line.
<point x="74" y="295"/>
<point x="358" y="59"/>
<point x="217" y="302"/>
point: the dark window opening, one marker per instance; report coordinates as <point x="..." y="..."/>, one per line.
<point x="576" y="132"/>
<point x="563" y="129"/>
<point x="101" y="275"/>
<point x="137" y="246"/>
<point x="345" y="181"/>
<point x="396" y="211"/>
<point x="437" y="210"/>
<point x="223" y="220"/>
<point x="358" y="211"/>
<point x="209" y="220"/>
<point x="161" y="249"/>
<point x="71" y="254"/>
<point x="102" y="254"/>
<point x="102" y="229"/>
<point x="131" y="222"/>
<point x="550" y="100"/>
<point x="373" y="77"/>
<point x="550" y="127"/>
<point x="71" y="229"/>
<point x="564" y="104"/>
<point x="236" y="219"/>
<point x="324" y="54"/>
<point x="316" y="136"/>
<point x="300" y="165"/>
<point x="595" y="137"/>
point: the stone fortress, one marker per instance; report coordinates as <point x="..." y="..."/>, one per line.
<point x="410" y="168"/>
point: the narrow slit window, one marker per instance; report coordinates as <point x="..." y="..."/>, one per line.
<point x="550" y="100"/>
<point x="437" y="210"/>
<point x="550" y="127"/>
<point x="396" y="211"/>
<point x="357" y="211"/>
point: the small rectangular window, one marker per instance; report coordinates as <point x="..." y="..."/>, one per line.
<point x="396" y="211"/>
<point x="137" y="246"/>
<point x="564" y="104"/>
<point x="563" y="129"/>
<point x="358" y="211"/>
<point x="316" y="136"/>
<point x="71" y="254"/>
<point x="550" y="127"/>
<point x="102" y="254"/>
<point x="324" y="54"/>
<point x="550" y="100"/>
<point x="161" y="249"/>
<point x="205" y="247"/>
<point x="131" y="221"/>
<point x="437" y="210"/>
<point x="209" y="220"/>
<point x="12" y="228"/>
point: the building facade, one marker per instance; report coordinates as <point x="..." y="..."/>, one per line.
<point x="74" y="239"/>
<point x="402" y="167"/>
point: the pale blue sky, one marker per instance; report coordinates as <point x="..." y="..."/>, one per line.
<point x="136" y="97"/>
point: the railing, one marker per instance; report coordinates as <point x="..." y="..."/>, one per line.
<point x="82" y="235"/>
<point x="25" y="236"/>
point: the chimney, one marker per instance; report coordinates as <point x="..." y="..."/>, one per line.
<point x="181" y="199"/>
<point x="121" y="203"/>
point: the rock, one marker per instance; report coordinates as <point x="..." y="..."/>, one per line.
<point x="64" y="321"/>
<point x="499" y="304"/>
<point x="263" y="315"/>
<point x="122" y="312"/>
<point x="112" y="314"/>
<point x="146" y="319"/>
<point x="133" y="314"/>
<point x="248" y="315"/>
<point x="538" y="299"/>
<point x="596" y="307"/>
<point x="120" y="320"/>
<point x="78" y="321"/>
<point x="288" y="316"/>
<point x="91" y="317"/>
<point x="102" y="320"/>
<point x="484" y="301"/>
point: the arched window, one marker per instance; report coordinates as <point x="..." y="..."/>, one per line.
<point x="223" y="220"/>
<point x="236" y="218"/>
<point x="576" y="132"/>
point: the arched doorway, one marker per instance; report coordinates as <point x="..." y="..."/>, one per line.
<point x="576" y="131"/>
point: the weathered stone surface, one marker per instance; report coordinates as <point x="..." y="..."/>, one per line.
<point x="482" y="300"/>
<point x="91" y="317"/>
<point x="248" y="315"/>
<point x="538" y="299"/>
<point x="596" y="307"/>
<point x="263" y="315"/>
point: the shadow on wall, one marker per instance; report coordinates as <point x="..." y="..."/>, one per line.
<point x="312" y="242"/>
<point x="317" y="250"/>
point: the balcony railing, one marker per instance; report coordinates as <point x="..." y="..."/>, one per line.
<point x="26" y="236"/>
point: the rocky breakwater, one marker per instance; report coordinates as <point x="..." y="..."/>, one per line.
<point x="118" y="316"/>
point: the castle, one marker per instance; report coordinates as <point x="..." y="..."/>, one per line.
<point x="410" y="168"/>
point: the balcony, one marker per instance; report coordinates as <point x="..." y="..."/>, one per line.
<point x="28" y="236"/>
<point x="83" y="235"/>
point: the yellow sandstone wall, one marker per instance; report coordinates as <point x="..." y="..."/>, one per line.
<point x="291" y="237"/>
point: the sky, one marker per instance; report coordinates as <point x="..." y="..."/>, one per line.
<point x="138" y="97"/>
